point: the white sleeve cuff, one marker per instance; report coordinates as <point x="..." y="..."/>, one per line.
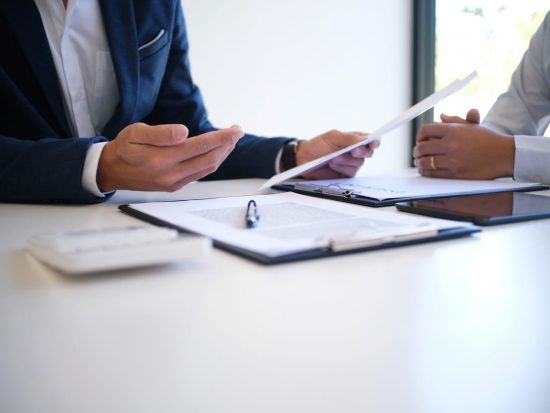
<point x="278" y="161"/>
<point x="532" y="160"/>
<point x="89" y="174"/>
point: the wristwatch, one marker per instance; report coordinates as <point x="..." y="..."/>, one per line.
<point x="288" y="156"/>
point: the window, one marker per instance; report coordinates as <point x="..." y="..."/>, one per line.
<point x="488" y="35"/>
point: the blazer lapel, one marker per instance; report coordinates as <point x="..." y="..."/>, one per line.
<point x="120" y="27"/>
<point x="26" y="24"/>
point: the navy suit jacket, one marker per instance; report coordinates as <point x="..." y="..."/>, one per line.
<point x="39" y="159"/>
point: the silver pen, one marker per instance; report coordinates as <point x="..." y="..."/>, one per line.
<point x="252" y="216"/>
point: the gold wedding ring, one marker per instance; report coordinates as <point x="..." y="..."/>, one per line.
<point x="432" y="163"/>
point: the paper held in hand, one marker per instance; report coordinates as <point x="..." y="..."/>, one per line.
<point x="406" y="116"/>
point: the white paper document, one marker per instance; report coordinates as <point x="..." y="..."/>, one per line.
<point x="291" y="223"/>
<point x="399" y="187"/>
<point x="406" y="116"/>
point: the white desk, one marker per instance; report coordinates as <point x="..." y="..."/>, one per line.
<point x="455" y="326"/>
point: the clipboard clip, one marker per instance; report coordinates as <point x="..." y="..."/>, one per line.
<point x="365" y="239"/>
<point x="332" y="189"/>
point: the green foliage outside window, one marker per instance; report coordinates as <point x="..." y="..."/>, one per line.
<point x="489" y="36"/>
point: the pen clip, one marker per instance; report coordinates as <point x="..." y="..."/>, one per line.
<point x="252" y="217"/>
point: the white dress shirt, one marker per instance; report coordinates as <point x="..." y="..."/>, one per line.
<point x="85" y="71"/>
<point x="524" y="110"/>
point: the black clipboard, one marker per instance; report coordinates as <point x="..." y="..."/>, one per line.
<point x="445" y="234"/>
<point x="349" y="196"/>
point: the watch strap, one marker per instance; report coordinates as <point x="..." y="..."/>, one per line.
<point x="288" y="156"/>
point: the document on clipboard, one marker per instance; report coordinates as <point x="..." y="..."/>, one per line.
<point x="293" y="227"/>
<point x="379" y="191"/>
<point x="406" y="116"/>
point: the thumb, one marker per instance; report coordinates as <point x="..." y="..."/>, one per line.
<point x="451" y="119"/>
<point x="473" y="116"/>
<point x="157" y="135"/>
<point x="343" y="139"/>
<point x="233" y="133"/>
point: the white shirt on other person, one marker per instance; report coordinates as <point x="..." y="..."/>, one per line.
<point x="524" y="110"/>
<point x="85" y="71"/>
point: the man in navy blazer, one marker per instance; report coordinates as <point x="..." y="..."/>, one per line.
<point x="41" y="159"/>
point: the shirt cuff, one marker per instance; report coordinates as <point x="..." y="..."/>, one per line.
<point x="278" y="161"/>
<point x="532" y="159"/>
<point x="89" y="174"/>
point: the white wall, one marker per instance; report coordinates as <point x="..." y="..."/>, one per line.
<point x="301" y="67"/>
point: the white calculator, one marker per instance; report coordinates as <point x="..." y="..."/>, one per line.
<point x="113" y="248"/>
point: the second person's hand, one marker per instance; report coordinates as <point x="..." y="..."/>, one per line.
<point x="461" y="148"/>
<point x="342" y="166"/>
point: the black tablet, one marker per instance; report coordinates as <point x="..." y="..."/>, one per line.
<point x="487" y="209"/>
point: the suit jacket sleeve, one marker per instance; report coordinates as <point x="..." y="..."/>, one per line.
<point x="36" y="165"/>
<point x="39" y="161"/>
<point x="45" y="170"/>
<point x="180" y="101"/>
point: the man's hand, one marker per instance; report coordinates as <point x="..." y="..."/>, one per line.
<point x="344" y="165"/>
<point x="461" y="148"/>
<point x="161" y="158"/>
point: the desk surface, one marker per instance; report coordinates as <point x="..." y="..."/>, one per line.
<point x="454" y="326"/>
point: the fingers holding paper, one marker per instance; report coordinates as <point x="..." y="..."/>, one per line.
<point x="344" y="165"/>
<point x="303" y="169"/>
<point x="460" y="148"/>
